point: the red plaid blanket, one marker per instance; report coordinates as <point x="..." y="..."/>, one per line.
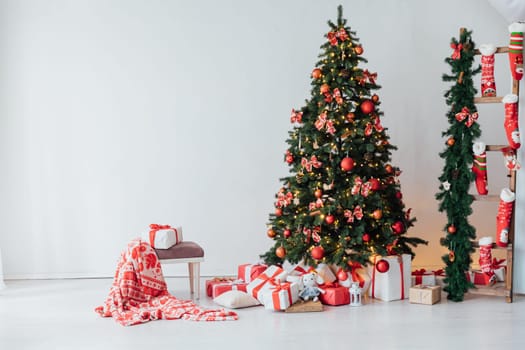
<point x="139" y="293"/>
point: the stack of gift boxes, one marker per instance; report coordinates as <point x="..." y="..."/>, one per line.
<point x="278" y="289"/>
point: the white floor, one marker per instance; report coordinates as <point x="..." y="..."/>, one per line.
<point x="58" y="314"/>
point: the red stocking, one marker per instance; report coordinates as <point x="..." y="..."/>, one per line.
<point x="504" y="217"/>
<point x="488" y="84"/>
<point x="516" y="49"/>
<point x="479" y="167"/>
<point x="511" y="120"/>
<point x="485" y="259"/>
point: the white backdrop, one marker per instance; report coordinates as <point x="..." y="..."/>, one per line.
<point x="116" y="114"/>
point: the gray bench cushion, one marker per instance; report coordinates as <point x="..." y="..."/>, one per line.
<point x="183" y="250"/>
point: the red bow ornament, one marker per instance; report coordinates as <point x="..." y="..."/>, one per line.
<point x="296" y="117"/>
<point x="316" y="234"/>
<point x="357" y="214"/>
<point x="313" y="162"/>
<point x="370" y="127"/>
<point x="342" y="34"/>
<point x="283" y="199"/>
<point x="367" y="77"/>
<point x="322" y="121"/>
<point x="338" y="97"/>
<point x="316" y="205"/>
<point x="466" y="115"/>
<point x="456" y="55"/>
<point x="360" y="187"/>
<point x="332" y="38"/>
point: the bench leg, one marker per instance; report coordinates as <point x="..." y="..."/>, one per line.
<point x="194" y="272"/>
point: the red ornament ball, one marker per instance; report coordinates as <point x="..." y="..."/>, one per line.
<point x="451" y="141"/>
<point x="374" y="184"/>
<point x="451" y="229"/>
<point x="398" y="227"/>
<point x="317" y="253"/>
<point x="358" y="50"/>
<point x="382" y="266"/>
<point x="347" y="164"/>
<point x="375" y="98"/>
<point x="271" y="233"/>
<point x="329" y="219"/>
<point x="280" y="252"/>
<point x="278" y="212"/>
<point x="367" y="106"/>
<point x="325" y="88"/>
<point x="350" y="116"/>
<point x="316" y="73"/>
<point x="287" y="233"/>
<point x="377" y="214"/>
<point x="366" y="237"/>
<point x="342" y="275"/>
<point x="389" y="168"/>
<point x="318" y="193"/>
<point x="289" y="159"/>
<point x="399" y="195"/>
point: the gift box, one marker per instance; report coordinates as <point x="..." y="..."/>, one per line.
<point x="162" y="236"/>
<point x="394" y="283"/>
<point x="479" y="278"/>
<point x="279" y="296"/>
<point x="214" y="281"/>
<point x="249" y="272"/>
<point x="421" y="294"/>
<point x="500" y="269"/>
<point x="423" y="276"/>
<point x="334" y="294"/>
<point x="357" y="274"/>
<point x="273" y="273"/>
<point x="322" y="271"/>
<point x="221" y="287"/>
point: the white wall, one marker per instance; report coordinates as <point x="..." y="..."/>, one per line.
<point x="117" y="114"/>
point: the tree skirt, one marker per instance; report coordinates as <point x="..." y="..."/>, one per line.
<point x="139" y="293"/>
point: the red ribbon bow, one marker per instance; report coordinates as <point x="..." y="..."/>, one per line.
<point x="439" y="272"/>
<point x="322" y="120"/>
<point x="419" y="272"/>
<point x="457" y="51"/>
<point x="159" y="227"/>
<point x="465" y="114"/>
<point x="357" y="213"/>
<point x="296" y="117"/>
<point x="313" y="162"/>
<point x="360" y="187"/>
<point x="367" y="77"/>
<point x="497" y="263"/>
<point x="283" y="199"/>
<point x="370" y="127"/>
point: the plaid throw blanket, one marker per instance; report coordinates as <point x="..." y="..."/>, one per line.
<point x="139" y="293"/>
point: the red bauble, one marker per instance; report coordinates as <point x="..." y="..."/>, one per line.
<point x="325" y="88"/>
<point x="382" y="266"/>
<point x="398" y="227"/>
<point x="347" y="164"/>
<point x="350" y="116"/>
<point x="289" y="159"/>
<point x="271" y="233"/>
<point x="318" y="193"/>
<point x="329" y="219"/>
<point x="389" y="168"/>
<point x="366" y="237"/>
<point x="375" y="98"/>
<point x="280" y="252"/>
<point x="316" y="73"/>
<point x="451" y="141"/>
<point x="374" y="184"/>
<point x="287" y="233"/>
<point x="358" y="50"/>
<point x="367" y="106"/>
<point x="342" y="275"/>
<point x="451" y="229"/>
<point x="317" y="253"/>
<point x="399" y="195"/>
<point x="377" y="214"/>
<point x="278" y="212"/>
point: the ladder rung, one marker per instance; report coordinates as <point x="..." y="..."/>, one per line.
<point x="502" y="49"/>
<point x="486" y="198"/>
<point x="495" y="147"/>
<point x="490" y="99"/>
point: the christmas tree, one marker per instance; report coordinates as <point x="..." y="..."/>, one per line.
<point x="342" y="202"/>
<point x="457" y="173"/>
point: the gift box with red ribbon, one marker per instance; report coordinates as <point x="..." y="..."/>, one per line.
<point x="279" y="295"/>
<point x="162" y="236"/>
<point x="249" y="272"/>
<point x="422" y="276"/>
<point x="392" y="281"/>
<point x="273" y="274"/>
<point x="322" y="270"/>
<point x="334" y="294"/>
<point x="500" y="269"/>
<point x="357" y="274"/>
<point x="479" y="278"/>
<point x="219" y="285"/>
<point x="427" y="295"/>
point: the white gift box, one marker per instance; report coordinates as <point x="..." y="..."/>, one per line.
<point x="322" y="271"/>
<point x="162" y="236"/>
<point x="359" y="275"/>
<point x="261" y="283"/>
<point x="393" y="284"/>
<point x="279" y="296"/>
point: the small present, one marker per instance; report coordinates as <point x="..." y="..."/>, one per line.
<point x="214" y="281"/>
<point x="249" y="272"/>
<point x="500" y="269"/>
<point x="334" y="294"/>
<point x="322" y="270"/>
<point x="162" y="236"/>
<point x="273" y="273"/>
<point x="423" y="276"/>
<point x="357" y="274"/>
<point x="279" y="296"/>
<point x="421" y="294"/>
<point x="222" y="287"/>
<point x="394" y="282"/>
<point x="480" y="278"/>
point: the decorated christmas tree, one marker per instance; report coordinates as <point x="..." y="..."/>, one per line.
<point x="342" y="202"/>
<point x="458" y="172"/>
